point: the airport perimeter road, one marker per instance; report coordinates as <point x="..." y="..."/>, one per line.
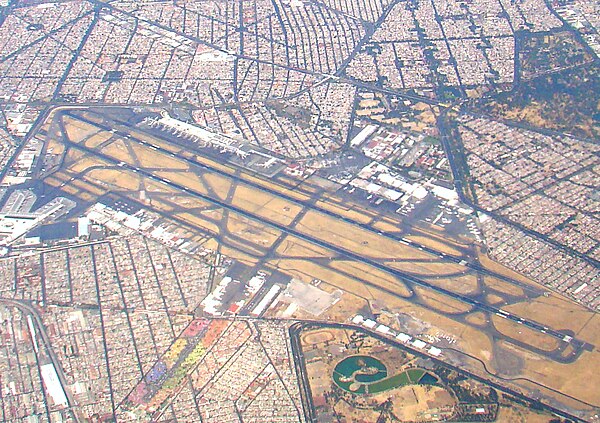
<point x="305" y="392"/>
<point x="577" y="345"/>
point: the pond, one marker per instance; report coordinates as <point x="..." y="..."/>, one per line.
<point x="354" y="372"/>
<point x="361" y="374"/>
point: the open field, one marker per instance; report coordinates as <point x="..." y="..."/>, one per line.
<point x="414" y="401"/>
<point x="183" y="178"/>
<point x="54" y="146"/>
<point x="501" y="286"/>
<point x="368" y="273"/>
<point x="495" y="299"/>
<point x="427" y="267"/>
<point x="342" y="211"/>
<point x="442" y="303"/>
<point x="516" y="414"/>
<point x="566" y="378"/>
<point x="557" y="312"/>
<point x="199" y="222"/>
<point x="116" y="178"/>
<point x="355" y="239"/>
<point x="218" y="185"/>
<point x="385" y="226"/>
<point x="478" y="318"/>
<point x="88" y="187"/>
<point x="84" y="164"/>
<point x="98" y="139"/>
<point x="265" y="205"/>
<point x="253" y="232"/>
<point x="298" y="248"/>
<point x="464" y="284"/>
<point x="77" y="129"/>
<point x="149" y="158"/>
<point x="524" y="334"/>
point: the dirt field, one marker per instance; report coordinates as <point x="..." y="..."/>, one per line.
<point x="371" y="274"/>
<point x="85" y="163"/>
<point x="356" y="415"/>
<point x="411" y="402"/>
<point x="318" y="337"/>
<point x="502" y="286"/>
<point x="252" y="231"/>
<point x="524" y="334"/>
<point x="515" y="414"/>
<point x="78" y="130"/>
<point x="295" y="247"/>
<point x="265" y="205"/>
<point x="97" y="139"/>
<point x="442" y="303"/>
<point x="346" y="308"/>
<point x="427" y="268"/>
<point x="197" y="221"/>
<point x="565" y="378"/>
<point x="356" y="239"/>
<point x="478" y="318"/>
<point x="149" y="158"/>
<point x="117" y="178"/>
<point x="466" y="284"/>
<point x="186" y="179"/>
